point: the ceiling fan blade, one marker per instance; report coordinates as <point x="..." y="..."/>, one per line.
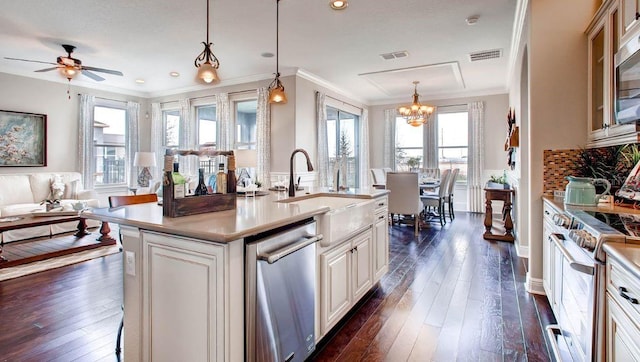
<point x="28" y="60"/>
<point x="102" y="70"/>
<point x="93" y="76"/>
<point x="45" y="70"/>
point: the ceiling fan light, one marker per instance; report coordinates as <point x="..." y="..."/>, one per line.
<point x="207" y="73"/>
<point x="69" y="72"/>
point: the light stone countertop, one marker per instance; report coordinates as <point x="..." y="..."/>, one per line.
<point x="251" y="216"/>
<point x="627" y="254"/>
<point x="559" y="204"/>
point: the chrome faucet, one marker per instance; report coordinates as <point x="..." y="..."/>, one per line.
<point x="292" y="186"/>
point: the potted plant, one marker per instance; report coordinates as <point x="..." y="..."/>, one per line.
<point x="413" y="163"/>
<point x="497" y="182"/>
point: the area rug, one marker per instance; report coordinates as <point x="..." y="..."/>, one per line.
<point x="35" y="267"/>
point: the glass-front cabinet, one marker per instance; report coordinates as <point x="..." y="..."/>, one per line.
<point x="630" y="14"/>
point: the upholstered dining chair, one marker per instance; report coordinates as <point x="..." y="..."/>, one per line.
<point x="378" y="176"/>
<point x="116" y="201"/>
<point x="448" y="198"/>
<point x="436" y="200"/>
<point x="403" y="197"/>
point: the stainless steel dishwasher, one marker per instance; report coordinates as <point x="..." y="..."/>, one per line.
<point x="280" y="293"/>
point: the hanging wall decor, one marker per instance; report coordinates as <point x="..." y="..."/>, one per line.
<point x="23" y="139"/>
<point x="513" y="138"/>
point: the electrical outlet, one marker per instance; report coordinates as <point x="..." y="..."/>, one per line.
<point x="130" y="263"/>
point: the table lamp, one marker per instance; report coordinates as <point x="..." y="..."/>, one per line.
<point x="245" y="159"/>
<point x="144" y="160"/>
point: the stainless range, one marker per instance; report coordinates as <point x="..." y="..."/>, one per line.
<point x="578" y="298"/>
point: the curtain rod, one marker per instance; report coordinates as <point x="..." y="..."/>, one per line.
<point x="453" y="105"/>
<point x="343" y="102"/>
<point x="230" y="93"/>
<point x="108" y="99"/>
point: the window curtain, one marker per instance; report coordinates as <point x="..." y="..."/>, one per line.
<point x="85" y="140"/>
<point x="226" y="128"/>
<point x="323" y="145"/>
<point x="364" y="149"/>
<point x="157" y="137"/>
<point x="188" y="164"/>
<point x="263" y="138"/>
<point x="133" y="116"/>
<point x="476" y="156"/>
<point x="430" y="150"/>
<point x="389" y="146"/>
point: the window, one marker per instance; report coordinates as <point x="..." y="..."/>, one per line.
<point x="171" y="128"/>
<point x="408" y="146"/>
<point x="246" y="125"/>
<point x="453" y="142"/>
<point x="109" y="140"/>
<point x="343" y="139"/>
<point x="207" y="126"/>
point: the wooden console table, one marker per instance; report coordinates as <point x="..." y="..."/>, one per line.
<point x="28" y="220"/>
<point x="504" y="195"/>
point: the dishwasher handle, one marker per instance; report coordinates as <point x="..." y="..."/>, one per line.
<point x="274" y="256"/>
<point x="575" y="265"/>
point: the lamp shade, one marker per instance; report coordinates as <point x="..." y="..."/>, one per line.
<point x="246" y="158"/>
<point x="144" y="159"/>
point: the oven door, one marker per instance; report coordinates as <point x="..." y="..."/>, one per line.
<point x="575" y="287"/>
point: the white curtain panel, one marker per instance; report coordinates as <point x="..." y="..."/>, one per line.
<point x="157" y="134"/>
<point x="133" y="116"/>
<point x="364" y="149"/>
<point x="188" y="164"/>
<point x="389" y="147"/>
<point x="263" y="138"/>
<point x="476" y="156"/>
<point x="226" y="128"/>
<point x="323" y="145"/>
<point x="85" y="139"/>
<point x="431" y="143"/>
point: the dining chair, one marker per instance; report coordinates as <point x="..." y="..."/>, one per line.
<point x="436" y="200"/>
<point x="116" y="201"/>
<point x="378" y="176"/>
<point x="404" y="189"/>
<point x="449" y="196"/>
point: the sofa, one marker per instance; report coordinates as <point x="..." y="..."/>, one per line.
<point x="25" y="193"/>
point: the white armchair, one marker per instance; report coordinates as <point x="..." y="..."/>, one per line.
<point x="404" y="195"/>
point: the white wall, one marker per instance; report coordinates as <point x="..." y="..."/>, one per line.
<point x="557" y="113"/>
<point x="24" y="94"/>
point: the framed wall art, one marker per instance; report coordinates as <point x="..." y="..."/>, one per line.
<point x="23" y="139"/>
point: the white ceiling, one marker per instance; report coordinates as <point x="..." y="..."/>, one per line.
<point x="149" y="39"/>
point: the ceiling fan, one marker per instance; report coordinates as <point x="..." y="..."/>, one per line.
<point x="70" y="66"/>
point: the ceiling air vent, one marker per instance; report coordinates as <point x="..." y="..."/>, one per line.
<point x="485" y="54"/>
<point x="395" y="55"/>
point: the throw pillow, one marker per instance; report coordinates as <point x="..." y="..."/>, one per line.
<point x="57" y="187"/>
<point x="71" y="190"/>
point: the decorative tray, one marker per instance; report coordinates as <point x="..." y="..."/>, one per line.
<point x="10" y="219"/>
<point x="55" y="213"/>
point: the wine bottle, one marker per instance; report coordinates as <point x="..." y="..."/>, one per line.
<point x="231" y="175"/>
<point x="202" y="187"/>
<point x="179" y="182"/>
<point x="221" y="180"/>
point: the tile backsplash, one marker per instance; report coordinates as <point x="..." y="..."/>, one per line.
<point x="557" y="165"/>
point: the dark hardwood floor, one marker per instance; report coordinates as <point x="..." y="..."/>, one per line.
<point x="449" y="295"/>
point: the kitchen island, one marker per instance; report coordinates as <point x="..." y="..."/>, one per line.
<point x="185" y="277"/>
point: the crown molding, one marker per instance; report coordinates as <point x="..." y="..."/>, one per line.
<point x="516" y="37"/>
<point x="304" y="74"/>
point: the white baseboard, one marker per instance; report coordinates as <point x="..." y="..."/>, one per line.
<point x="534" y="285"/>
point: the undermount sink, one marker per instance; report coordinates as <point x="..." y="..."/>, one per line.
<point x="346" y="215"/>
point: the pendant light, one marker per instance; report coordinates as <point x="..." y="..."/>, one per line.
<point x="207" y="71"/>
<point x="416" y="114"/>
<point x="276" y="89"/>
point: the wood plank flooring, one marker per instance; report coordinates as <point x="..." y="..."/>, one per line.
<point x="449" y="295"/>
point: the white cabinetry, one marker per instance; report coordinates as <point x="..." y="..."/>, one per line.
<point x="381" y="238"/>
<point x="549" y="250"/>
<point x="623" y="313"/>
<point x="345" y="276"/>
<point x="630" y="15"/>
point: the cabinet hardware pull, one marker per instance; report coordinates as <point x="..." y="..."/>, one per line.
<point x="623" y="293"/>
<point x="637" y="15"/>
<point x="546" y="212"/>
<point x="380" y="217"/>
<point x="381" y="204"/>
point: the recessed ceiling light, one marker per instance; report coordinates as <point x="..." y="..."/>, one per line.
<point x="472" y="20"/>
<point x="267" y="55"/>
<point x="338" y="4"/>
<point x="174" y="74"/>
<point x="140" y="81"/>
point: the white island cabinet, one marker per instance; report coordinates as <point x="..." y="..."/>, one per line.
<point x="185" y="282"/>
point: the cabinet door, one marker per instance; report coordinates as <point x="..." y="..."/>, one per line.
<point x="183" y="305"/>
<point x="381" y="246"/>
<point x="361" y="254"/>
<point x="547" y="260"/>
<point x="623" y="337"/>
<point x="597" y="71"/>
<point x="629" y="14"/>
<point x="336" y="285"/>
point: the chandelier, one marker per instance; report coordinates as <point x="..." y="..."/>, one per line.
<point x="416" y="114"/>
<point x="276" y="89"/>
<point x="207" y="71"/>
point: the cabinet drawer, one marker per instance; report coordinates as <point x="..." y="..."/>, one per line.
<point x="381" y="204"/>
<point x="622" y="335"/>
<point x="625" y="289"/>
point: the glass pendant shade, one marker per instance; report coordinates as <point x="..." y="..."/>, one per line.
<point x="206" y="62"/>
<point x="69" y="72"/>
<point x="207" y="73"/>
<point x="276" y="92"/>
